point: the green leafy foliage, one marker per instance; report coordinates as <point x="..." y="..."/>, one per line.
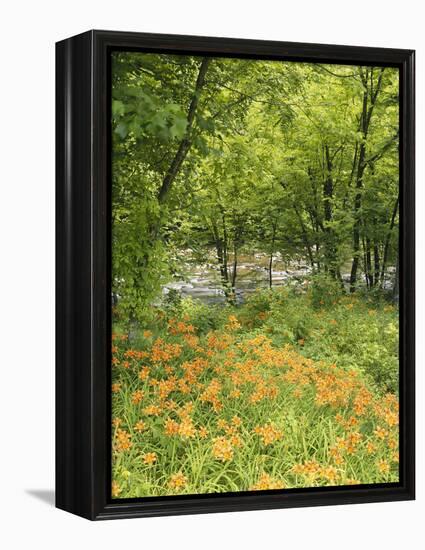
<point x="324" y="290"/>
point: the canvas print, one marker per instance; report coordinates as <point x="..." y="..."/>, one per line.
<point x="254" y="278"/>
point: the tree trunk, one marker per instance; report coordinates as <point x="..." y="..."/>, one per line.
<point x="271" y="253"/>
<point x="186" y="141"/>
<point x="396" y="290"/>
<point x="376" y="260"/>
<point x="228" y="289"/>
<point x="305" y="236"/>
<point x="388" y="240"/>
<point x="154" y="227"/>
<point x="365" y="270"/>
<point x="356" y="226"/>
<point x="234" y="268"/>
<point x="369" y="99"/>
<point x="304" y="233"/>
<point x="369" y="262"/>
<point x="271" y="270"/>
<point x="330" y="245"/>
<point x="221" y="257"/>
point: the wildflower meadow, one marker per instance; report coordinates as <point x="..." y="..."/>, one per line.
<point x="234" y="403"/>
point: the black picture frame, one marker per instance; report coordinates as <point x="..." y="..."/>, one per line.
<point x="83" y="456"/>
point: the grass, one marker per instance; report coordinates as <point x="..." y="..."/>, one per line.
<point x="278" y="393"/>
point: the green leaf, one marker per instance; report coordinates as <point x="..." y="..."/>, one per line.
<point x="118" y="108"/>
<point x="178" y="127"/>
<point x="205" y="123"/>
<point x="122" y="130"/>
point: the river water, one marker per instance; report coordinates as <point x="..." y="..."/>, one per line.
<point x="203" y="281"/>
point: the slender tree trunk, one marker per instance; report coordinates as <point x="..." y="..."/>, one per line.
<point x="365" y="270"/>
<point x="316" y="221"/>
<point x="369" y="99"/>
<point x="228" y="291"/>
<point x="223" y="259"/>
<point x="221" y="256"/>
<point x="155" y="225"/>
<point x="234" y="268"/>
<point x="388" y="240"/>
<point x="357" y="221"/>
<point x="274" y="227"/>
<point x="304" y="234"/>
<point x="271" y="270"/>
<point x="376" y="260"/>
<point x="396" y="290"/>
<point x="186" y="141"/>
<point x="369" y="262"/>
<point x="327" y="208"/>
<point x="222" y="262"/>
<point x="330" y="237"/>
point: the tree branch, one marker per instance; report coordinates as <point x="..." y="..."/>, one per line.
<point x="185" y="143"/>
<point x="385" y="148"/>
